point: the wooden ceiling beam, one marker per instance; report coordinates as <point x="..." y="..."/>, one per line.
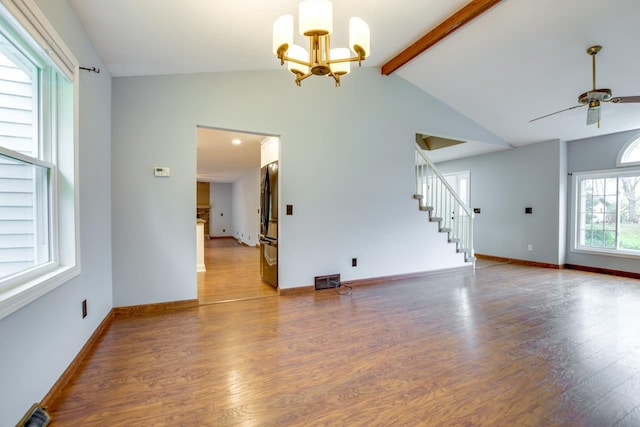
<point x="468" y="13"/>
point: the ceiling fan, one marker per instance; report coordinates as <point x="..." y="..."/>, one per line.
<point x="594" y="97"/>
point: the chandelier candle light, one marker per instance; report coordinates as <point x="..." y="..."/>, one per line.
<point x="316" y="22"/>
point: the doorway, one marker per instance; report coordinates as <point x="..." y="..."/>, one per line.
<point x="229" y="162"/>
<point x="459" y="181"/>
<point x="233" y="273"/>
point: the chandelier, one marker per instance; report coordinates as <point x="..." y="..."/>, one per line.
<point x="316" y="22"/>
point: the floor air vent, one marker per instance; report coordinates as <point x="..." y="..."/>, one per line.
<point x="37" y="416"/>
<point x="327" y="282"/>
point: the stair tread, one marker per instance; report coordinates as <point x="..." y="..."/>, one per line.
<point x="418" y="196"/>
<point x="426" y="208"/>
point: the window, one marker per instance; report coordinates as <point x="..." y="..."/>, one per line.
<point x="608" y="212"/>
<point x="38" y="198"/>
<point x="630" y="153"/>
<point x="24" y="170"/>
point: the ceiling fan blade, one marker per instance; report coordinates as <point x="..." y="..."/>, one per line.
<point x="561" y="111"/>
<point x="625" y="99"/>
<point x="593" y="116"/>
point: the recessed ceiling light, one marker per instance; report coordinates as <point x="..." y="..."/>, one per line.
<point x="236" y="142"/>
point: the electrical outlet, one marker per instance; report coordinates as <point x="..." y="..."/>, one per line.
<point x="354" y="262"/>
<point x="84" y="308"/>
<point x="530" y="247"/>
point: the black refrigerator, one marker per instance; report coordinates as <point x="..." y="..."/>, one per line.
<point x="269" y="224"/>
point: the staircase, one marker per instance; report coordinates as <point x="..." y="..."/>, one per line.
<point x="436" y="197"/>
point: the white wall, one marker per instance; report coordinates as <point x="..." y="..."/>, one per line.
<point x="593" y="154"/>
<point x="538" y="175"/>
<point x="246" y="205"/>
<point x="563" y="204"/>
<point x="502" y="185"/>
<point x="347" y="171"/>
<point x="221" y="215"/>
<point x="39" y="341"/>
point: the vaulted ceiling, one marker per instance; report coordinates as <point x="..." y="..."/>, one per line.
<point x="519" y="60"/>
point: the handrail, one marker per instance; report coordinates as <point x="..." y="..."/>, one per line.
<point x="444" y="204"/>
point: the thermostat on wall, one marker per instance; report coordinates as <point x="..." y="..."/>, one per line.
<point x="161" y="171"/>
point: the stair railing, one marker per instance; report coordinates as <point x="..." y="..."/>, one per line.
<point x="436" y="196"/>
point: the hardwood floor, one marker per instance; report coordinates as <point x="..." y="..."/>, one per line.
<point x="233" y="273"/>
<point x="506" y="345"/>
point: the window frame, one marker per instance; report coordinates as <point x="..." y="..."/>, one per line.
<point x="633" y="141"/>
<point x="577" y="178"/>
<point x="29" y="30"/>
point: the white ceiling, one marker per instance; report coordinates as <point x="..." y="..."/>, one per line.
<point x="518" y="61"/>
<point x="219" y="160"/>
<point x="527" y="58"/>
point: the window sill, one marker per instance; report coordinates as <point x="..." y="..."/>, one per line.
<point x="14" y="299"/>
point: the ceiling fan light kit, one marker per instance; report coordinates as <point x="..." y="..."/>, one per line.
<point x="595" y="97"/>
<point x="315" y="21"/>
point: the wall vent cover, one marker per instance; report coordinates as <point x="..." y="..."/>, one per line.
<point x="327" y="282"/>
<point x="37" y="416"/>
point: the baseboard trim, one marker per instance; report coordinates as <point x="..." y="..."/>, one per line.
<point x="301" y="290"/>
<point x="589" y="269"/>
<point x="92" y="342"/>
<point x="70" y="372"/>
<point x="396" y="277"/>
<point x="586" y="268"/>
<point x="240" y="241"/>
<point x="520" y="261"/>
<point x="146" y="309"/>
